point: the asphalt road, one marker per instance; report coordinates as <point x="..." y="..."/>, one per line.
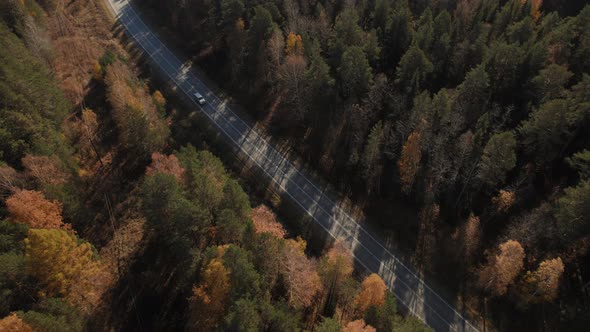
<point x="369" y="249"/>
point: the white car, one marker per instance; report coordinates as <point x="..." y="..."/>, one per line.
<point x="199" y="98"/>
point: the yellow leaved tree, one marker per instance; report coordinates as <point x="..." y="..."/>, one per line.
<point x="294" y="44"/>
<point x="64" y="266"/>
<point x="207" y="305"/>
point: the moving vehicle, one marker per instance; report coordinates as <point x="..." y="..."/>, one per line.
<point x="199" y="98"/>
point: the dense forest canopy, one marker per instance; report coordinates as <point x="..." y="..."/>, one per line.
<point x="474" y="112"/>
<point x="459" y="127"/>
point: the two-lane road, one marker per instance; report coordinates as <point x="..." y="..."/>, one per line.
<point x="369" y="249"/>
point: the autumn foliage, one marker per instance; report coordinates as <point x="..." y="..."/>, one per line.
<point x="358" y="325"/>
<point x="45" y="170"/>
<point x="8" y="180"/>
<point x="166" y="165"/>
<point x="504" y="200"/>
<point x="372" y="293"/>
<point x="503" y="268"/>
<point x="542" y="285"/>
<point x="32" y="208"/>
<point x="300" y="274"/>
<point x="142" y="129"/>
<point x="265" y="221"/>
<point x="409" y="161"/>
<point x="13" y="323"/>
<point x="294" y="44"/>
<point x="340" y="259"/>
<point x="208" y="302"/>
<point x="63" y="266"/>
<point x="471" y="236"/>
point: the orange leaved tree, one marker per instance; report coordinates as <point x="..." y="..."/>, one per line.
<point x="13" y="323"/>
<point x="32" y="208"/>
<point x="372" y="293"/>
<point x="410" y="160"/>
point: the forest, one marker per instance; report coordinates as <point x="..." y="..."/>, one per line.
<point x="473" y="113"/>
<point x="111" y="221"/>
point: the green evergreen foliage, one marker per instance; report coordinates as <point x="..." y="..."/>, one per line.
<point x="573" y="211"/>
<point x="54" y="315"/>
<point x="32" y="107"/>
<point x="244" y="317"/>
<point x="328" y="325"/>
<point x="384" y="318"/>
<point x="12" y="265"/>
<point x="355" y="72"/>
<point x="498" y="158"/>
<point x="174" y="217"/>
<point x="244" y="277"/>
<point x="413" y="70"/>
<point x="231" y="11"/>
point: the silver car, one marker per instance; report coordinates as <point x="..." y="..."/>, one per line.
<point x="199" y="98"/>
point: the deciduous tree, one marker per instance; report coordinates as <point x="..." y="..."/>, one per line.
<point x="292" y="75"/>
<point x="13" y="323"/>
<point x="166" y="165"/>
<point x="9" y="180"/>
<point x="45" y="170"/>
<point x="294" y="44"/>
<point x="372" y="294"/>
<point x="504" y="200"/>
<point x="358" y="325"/>
<point x="142" y="128"/>
<point x="503" y="268"/>
<point x="335" y="269"/>
<point x="409" y="161"/>
<point x="210" y="297"/>
<point x="265" y="221"/>
<point x="63" y="266"/>
<point x="300" y="275"/>
<point x="32" y="208"/>
<point x="542" y="285"/>
<point x="471" y="236"/>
